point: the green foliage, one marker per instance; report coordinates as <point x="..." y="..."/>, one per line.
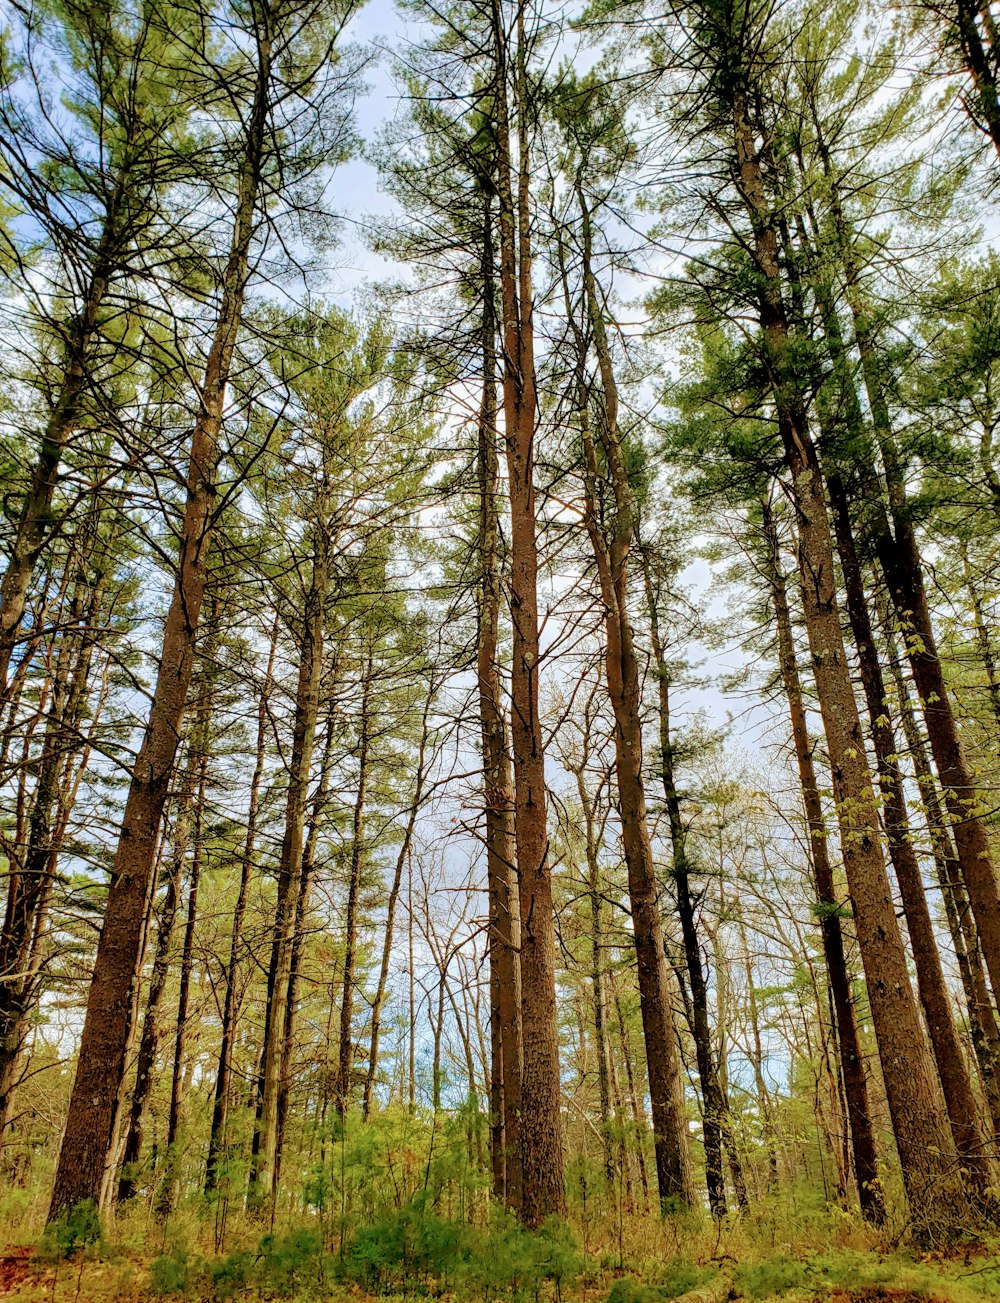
<point x="681" y="1275"/>
<point x="77" y="1228"/>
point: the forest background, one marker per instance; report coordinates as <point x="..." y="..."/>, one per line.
<point x="499" y="697"/>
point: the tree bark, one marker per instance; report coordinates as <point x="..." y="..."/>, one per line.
<point x="88" y="1139"/>
<point x="345" y="1057"/>
<point x="223" y="1075"/>
<point x="920" y="1124"/>
<point x="959" y="1099"/>
<point x="501" y="868"/>
<point x="543" y="1190"/>
<point x="611" y="545"/>
<point x="715" y="1111"/>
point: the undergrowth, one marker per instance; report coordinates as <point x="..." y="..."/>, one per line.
<point x="775" y="1252"/>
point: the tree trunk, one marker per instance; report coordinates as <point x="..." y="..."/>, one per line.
<point x="220" y="1101"/>
<point x="505" y="933"/>
<point x="88" y="1139"/>
<point x="150" y="1037"/>
<point x="320" y="798"/>
<point x="390" y="916"/>
<point x="345" y="1058"/>
<point x="982" y="1020"/>
<point x="611" y="548"/>
<point x="168" y="1190"/>
<point x="543" y="1191"/>
<point x="310" y="673"/>
<point x="849" y="1042"/>
<point x="919" y="1121"/>
<point x="715" y="1112"/>
<point x="959" y="1099"/>
<point x="899" y="556"/>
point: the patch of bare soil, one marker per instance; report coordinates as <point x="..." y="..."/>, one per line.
<point x="879" y="1294"/>
<point x="14" y="1269"/>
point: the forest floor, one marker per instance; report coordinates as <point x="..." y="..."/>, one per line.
<point x="821" y="1258"/>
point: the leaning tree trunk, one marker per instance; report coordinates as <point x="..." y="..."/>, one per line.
<point x="958" y="1094"/>
<point x="848" y="1040"/>
<point x="920" y="1122"/>
<point x="611" y="550"/>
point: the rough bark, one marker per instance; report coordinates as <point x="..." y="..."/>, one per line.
<point x="543" y="1190"/>
<point x="223" y="1075"/>
<point x="498" y="796"/>
<point x="920" y="1124"/>
<point x="848" y="1040"/>
<point x="88" y="1138"/>
<point x="714" y="1107"/>
<point x="899" y="557"/>
<point x="611" y="543"/>
<point x="345" y="1054"/>
<point x="933" y="990"/>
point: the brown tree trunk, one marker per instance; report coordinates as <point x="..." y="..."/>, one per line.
<point x="920" y="1123"/>
<point x="320" y="798"/>
<point x="505" y="932"/>
<point x="88" y="1138"/>
<point x="899" y="556"/>
<point x="849" y="1042"/>
<point x="30" y="883"/>
<point x="959" y="1099"/>
<point x="390" y="915"/>
<point x="149" y="1040"/>
<point x="169" y="1186"/>
<point x="310" y="674"/>
<point x="220" y="1102"/>
<point x="345" y="1057"/>
<point x="611" y="548"/>
<point x="982" y="1020"/>
<point x="715" y="1111"/>
<point x="543" y="1191"/>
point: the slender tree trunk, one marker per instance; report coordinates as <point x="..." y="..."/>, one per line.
<point x="611" y="552"/>
<point x="714" y="1107"/>
<point x="345" y="1058"/>
<point x="88" y="1139"/>
<point x="390" y="918"/>
<point x="638" y="1116"/>
<point x="543" y="1190"/>
<point x="320" y="799"/>
<point x="310" y="673"/>
<point x="169" y="1186"/>
<point x="38" y="523"/>
<point x="149" y="1040"/>
<point x="505" y="932"/>
<point x="220" y="1102"/>
<point x="849" y="1042"/>
<point x="985" y="647"/>
<point x="30" y="885"/>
